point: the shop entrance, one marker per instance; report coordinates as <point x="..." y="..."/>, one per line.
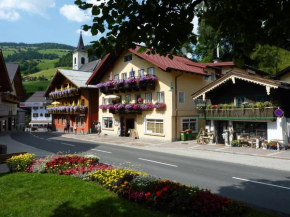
<point x="127" y="125"/>
<point x="221" y="127"/>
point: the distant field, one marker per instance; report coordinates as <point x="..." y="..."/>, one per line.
<point x="32" y="86"/>
<point x="59" y="52"/>
<point x="48" y="73"/>
<point x="46" y="64"/>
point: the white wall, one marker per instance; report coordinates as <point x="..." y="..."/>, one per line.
<point x="277" y="129"/>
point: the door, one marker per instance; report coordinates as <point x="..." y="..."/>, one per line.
<point x="240" y="100"/>
<point x="221" y="127"/>
<point x="129" y="125"/>
<point x="9" y="123"/>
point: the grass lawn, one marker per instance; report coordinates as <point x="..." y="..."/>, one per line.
<point x="32" y="86"/>
<point x="46" y="64"/>
<point x="39" y="195"/>
<point x="60" y="52"/>
<point x="31" y="194"/>
<point x="48" y="73"/>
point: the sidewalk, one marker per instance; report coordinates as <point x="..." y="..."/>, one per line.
<point x="240" y="155"/>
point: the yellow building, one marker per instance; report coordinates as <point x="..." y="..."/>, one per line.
<point x="149" y="96"/>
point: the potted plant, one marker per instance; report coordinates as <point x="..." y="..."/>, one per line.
<point x="235" y="143"/>
<point x="272" y="145"/>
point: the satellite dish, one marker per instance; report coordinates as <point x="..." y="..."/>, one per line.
<point x="183" y="50"/>
<point x="189" y="55"/>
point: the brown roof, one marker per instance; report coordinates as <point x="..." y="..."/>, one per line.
<point x="5" y="84"/>
<point x="164" y="62"/>
<point x="38" y="97"/>
<point x="242" y="76"/>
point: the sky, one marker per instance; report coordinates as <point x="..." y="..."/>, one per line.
<point x="37" y="21"/>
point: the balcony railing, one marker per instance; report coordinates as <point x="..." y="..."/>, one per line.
<point x="239" y="114"/>
<point x="10" y="98"/>
<point x="128" y="85"/>
<point x="67" y="109"/>
<point x="63" y="93"/>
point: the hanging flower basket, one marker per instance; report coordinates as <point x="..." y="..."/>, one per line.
<point x="160" y="105"/>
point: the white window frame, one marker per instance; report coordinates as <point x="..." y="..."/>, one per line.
<point x="150" y="133"/>
<point x="104" y="126"/>
<point x="159" y="96"/>
<point x="124" y="75"/>
<point x="196" y="121"/>
<point x="212" y="76"/>
<point x="180" y="98"/>
<point x="148" y="69"/>
<point x="116" y="77"/>
<point x="146" y="97"/>
<point x="141" y="72"/>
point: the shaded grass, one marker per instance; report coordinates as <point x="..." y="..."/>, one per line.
<point x="29" y="195"/>
<point x="32" y="86"/>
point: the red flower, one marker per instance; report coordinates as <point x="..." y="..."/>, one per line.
<point x="158" y="193"/>
<point x="147" y="195"/>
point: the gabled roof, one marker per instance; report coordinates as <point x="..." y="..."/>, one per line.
<point x="90" y="67"/>
<point x="80" y="46"/>
<point x="282" y="72"/>
<point x="268" y="83"/>
<point x="12" y="70"/>
<point x="163" y="62"/>
<point x="76" y="77"/>
<point x="5" y="84"/>
<point x="38" y="97"/>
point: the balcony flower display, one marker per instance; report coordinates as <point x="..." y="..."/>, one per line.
<point x="108" y="84"/>
<point x="160" y="105"/>
<point x="148" y="78"/>
<point x="72" y="91"/>
<point x="136" y="106"/>
<point x="131" y="81"/>
<point x="67" y="109"/>
<point x="140" y="100"/>
<point x="128" y="106"/>
<point x="147" y="106"/>
<point x="103" y="107"/>
<point x="99" y="85"/>
<point x="121" y="106"/>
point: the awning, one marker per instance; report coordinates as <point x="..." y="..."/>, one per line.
<point x="40" y="122"/>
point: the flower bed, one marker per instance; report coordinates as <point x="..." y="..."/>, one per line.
<point x="165" y="195"/>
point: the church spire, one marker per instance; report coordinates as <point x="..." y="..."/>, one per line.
<point x="81" y="46"/>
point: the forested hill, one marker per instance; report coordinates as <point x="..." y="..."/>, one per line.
<point x="45" y="45"/>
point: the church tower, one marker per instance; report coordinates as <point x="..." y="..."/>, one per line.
<point x="80" y="55"/>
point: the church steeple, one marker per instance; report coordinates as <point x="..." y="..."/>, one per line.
<point x="81" y="46"/>
<point x="80" y="55"/>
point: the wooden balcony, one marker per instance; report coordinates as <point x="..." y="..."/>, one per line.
<point x="10" y="98"/>
<point x="238" y="114"/>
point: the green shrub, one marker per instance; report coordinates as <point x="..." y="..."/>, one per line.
<point x="20" y="162"/>
<point x="260" y="105"/>
<point x="235" y="143"/>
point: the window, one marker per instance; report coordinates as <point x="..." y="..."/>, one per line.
<point x="109" y="77"/>
<point x="151" y="71"/>
<point x="82" y="60"/>
<point x="41" y="115"/>
<point x="82" y="102"/>
<point x="103" y="101"/>
<point x="206" y="77"/>
<point x="189" y="123"/>
<point x="137" y="96"/>
<point x="148" y="97"/>
<point x="160" y="97"/>
<point x="82" y="121"/>
<point x="119" y="100"/>
<point x="124" y="75"/>
<point x="75" y="60"/>
<point x="141" y="72"/>
<point x="35" y="108"/>
<point x="127" y="98"/>
<point x="35" y="115"/>
<point x="40" y="107"/>
<point x="181" y="97"/>
<point x="240" y="100"/>
<point x="154" y="126"/>
<point x="132" y="73"/>
<point x="128" y="58"/>
<point x="108" y="122"/>
<point x="47" y="115"/>
<point x="116" y="77"/>
<point x="77" y="121"/>
<point x="57" y="120"/>
<point x="212" y="76"/>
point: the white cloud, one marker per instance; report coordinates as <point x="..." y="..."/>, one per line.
<point x="73" y="13"/>
<point x="84" y="33"/>
<point x="10" y="9"/>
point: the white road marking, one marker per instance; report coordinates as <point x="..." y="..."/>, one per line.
<point x="221" y="148"/>
<point x="273" y="153"/>
<point x="158" y="162"/>
<point x="262" y="183"/>
<point x="195" y="146"/>
<point x="48" y="140"/>
<point x="67" y="144"/>
<point x="102" y="151"/>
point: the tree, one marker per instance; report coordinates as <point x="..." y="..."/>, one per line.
<point x="165" y="25"/>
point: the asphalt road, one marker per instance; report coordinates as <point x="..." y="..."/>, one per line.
<point x="261" y="187"/>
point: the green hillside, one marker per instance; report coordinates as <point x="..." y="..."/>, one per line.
<point x="48" y="73"/>
<point x="32" y="86"/>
